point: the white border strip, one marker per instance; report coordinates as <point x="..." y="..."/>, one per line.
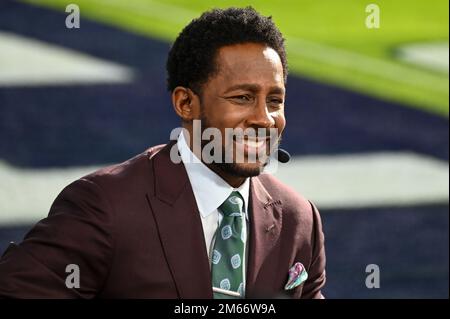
<point x="344" y="181"/>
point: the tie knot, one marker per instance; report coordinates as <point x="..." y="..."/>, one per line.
<point x="233" y="205"/>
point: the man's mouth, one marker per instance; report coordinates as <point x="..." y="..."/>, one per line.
<point x="252" y="142"/>
<point x="251" y="145"/>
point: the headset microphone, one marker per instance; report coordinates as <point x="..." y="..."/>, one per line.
<point x="283" y="156"/>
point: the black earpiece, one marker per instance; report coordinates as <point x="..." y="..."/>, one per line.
<point x="283" y="156"/>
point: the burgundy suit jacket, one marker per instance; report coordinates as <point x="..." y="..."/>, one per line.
<point x="135" y="232"/>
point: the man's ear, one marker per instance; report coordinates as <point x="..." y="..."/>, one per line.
<point x="185" y="103"/>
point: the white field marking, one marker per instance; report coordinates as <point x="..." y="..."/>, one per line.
<point x="27" y="194"/>
<point x="368" y="180"/>
<point x="344" y="181"/>
<point x="366" y="64"/>
<point x="304" y="48"/>
<point x="434" y="56"/>
<point x="30" y="62"/>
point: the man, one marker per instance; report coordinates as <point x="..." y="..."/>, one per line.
<point x="160" y="227"/>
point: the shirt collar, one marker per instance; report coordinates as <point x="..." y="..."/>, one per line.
<point x="210" y="190"/>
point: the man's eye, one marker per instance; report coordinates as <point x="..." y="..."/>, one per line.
<point x="242" y="98"/>
<point x="275" y="102"/>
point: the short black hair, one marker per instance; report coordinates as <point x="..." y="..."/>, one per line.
<point x="191" y="59"/>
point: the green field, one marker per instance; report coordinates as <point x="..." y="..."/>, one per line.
<point x="327" y="40"/>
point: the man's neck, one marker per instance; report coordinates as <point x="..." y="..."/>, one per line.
<point x="232" y="180"/>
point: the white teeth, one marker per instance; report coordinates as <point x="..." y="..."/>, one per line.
<point x="253" y="143"/>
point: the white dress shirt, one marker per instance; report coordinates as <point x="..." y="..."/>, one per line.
<point x="210" y="191"/>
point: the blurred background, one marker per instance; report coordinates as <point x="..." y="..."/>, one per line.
<point x="367" y="119"/>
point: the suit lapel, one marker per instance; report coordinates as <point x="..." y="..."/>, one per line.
<point x="265" y="221"/>
<point x="178" y="220"/>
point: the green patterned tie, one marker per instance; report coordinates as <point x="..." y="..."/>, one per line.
<point x="228" y="253"/>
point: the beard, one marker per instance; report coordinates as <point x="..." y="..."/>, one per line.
<point x="234" y="169"/>
<point x="239" y="170"/>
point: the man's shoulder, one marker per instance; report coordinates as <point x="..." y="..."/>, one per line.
<point x="130" y="173"/>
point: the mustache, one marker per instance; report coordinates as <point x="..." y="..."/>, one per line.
<point x="250" y="133"/>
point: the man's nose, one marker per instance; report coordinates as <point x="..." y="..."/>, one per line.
<point x="261" y="117"/>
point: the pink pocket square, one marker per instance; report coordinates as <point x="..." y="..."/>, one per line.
<point x="297" y="275"/>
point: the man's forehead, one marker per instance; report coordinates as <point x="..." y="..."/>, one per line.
<point x="244" y="62"/>
<point x="246" y="53"/>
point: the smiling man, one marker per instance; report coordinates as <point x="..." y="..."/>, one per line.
<point x="245" y="93"/>
<point x="165" y="226"/>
